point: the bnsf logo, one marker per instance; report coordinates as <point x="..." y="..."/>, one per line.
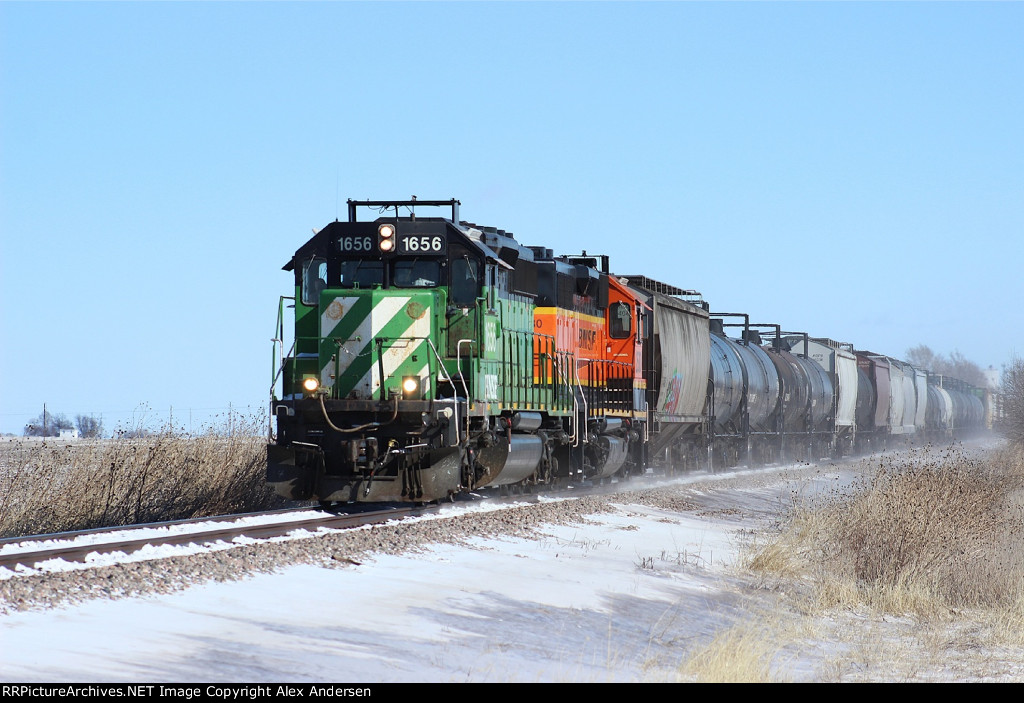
<point x="588" y="339"/>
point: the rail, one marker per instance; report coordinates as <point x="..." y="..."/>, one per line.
<point x="23" y="551"/>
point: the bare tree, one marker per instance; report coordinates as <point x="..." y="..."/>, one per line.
<point x="955" y="365"/>
<point x="1013" y="402"/>
<point x="89" y="426"/>
<point x="966" y="370"/>
<point x="921" y="357"/>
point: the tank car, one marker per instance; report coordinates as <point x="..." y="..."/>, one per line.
<point x="839" y="362"/>
<point x="965" y="411"/>
<point x="743" y="369"/>
<point x="939" y="415"/>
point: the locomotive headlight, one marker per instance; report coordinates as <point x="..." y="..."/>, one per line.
<point x="410" y="387"/>
<point x="310" y="384"/>
<point x="386" y="237"/>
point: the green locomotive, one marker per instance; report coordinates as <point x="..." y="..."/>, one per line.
<point x="420" y="369"/>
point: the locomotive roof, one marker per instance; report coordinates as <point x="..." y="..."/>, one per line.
<point x="492" y="243"/>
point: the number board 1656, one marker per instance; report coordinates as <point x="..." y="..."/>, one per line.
<point x="355" y="244"/>
<point x="422" y="244"/>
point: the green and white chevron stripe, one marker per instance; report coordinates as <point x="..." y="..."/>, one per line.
<point x="401" y="321"/>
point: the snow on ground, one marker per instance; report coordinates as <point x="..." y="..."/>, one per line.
<point x="607" y="601"/>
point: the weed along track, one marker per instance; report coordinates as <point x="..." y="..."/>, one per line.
<point x="52" y="486"/>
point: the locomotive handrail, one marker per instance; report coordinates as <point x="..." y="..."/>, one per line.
<point x="278" y="340"/>
<point x="384" y="205"/>
<point x="606" y="397"/>
<point x="280" y="370"/>
<point x="458" y="367"/>
<point x="447" y="377"/>
<point x="574" y="435"/>
<point x="579" y="386"/>
<point x="573" y="420"/>
<point x="275" y="370"/>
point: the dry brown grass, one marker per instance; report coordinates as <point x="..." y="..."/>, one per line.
<point x="741" y="654"/>
<point x="923" y="535"/>
<point x="56" y="486"/>
<point x="915" y="573"/>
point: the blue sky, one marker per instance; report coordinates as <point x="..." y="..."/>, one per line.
<point x="855" y="170"/>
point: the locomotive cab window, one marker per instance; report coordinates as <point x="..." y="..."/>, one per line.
<point x="416" y="273"/>
<point x="361" y="273"/>
<point x="619" y="320"/>
<point x="314" y="280"/>
<point x="465" y="282"/>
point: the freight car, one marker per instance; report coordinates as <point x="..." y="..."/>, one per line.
<point x="432" y="356"/>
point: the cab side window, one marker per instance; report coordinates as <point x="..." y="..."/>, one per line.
<point x="314" y="280"/>
<point x="619" y="320"/>
<point x="465" y="282"/>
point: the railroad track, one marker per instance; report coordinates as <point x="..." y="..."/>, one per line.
<point x="79" y="546"/>
<point x="83" y="546"/>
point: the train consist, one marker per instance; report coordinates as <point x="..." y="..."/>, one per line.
<point x="432" y="356"/>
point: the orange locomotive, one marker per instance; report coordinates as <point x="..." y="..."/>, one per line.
<point x="596" y="336"/>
